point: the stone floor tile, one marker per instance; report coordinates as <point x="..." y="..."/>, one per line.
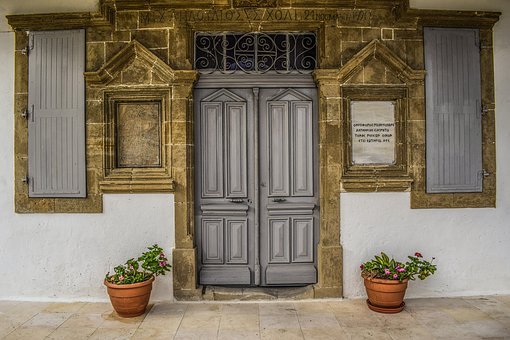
<point x="325" y="333"/>
<point x="195" y="334"/>
<point x="228" y="334"/>
<point x="240" y="308"/>
<point x="361" y="333"/>
<point x="72" y="307"/>
<point x="7" y="326"/>
<point x="396" y="320"/>
<point x="96" y="308"/>
<point x="169" y="322"/>
<point x="279" y="321"/>
<point x="277" y="308"/>
<point x="408" y="332"/>
<point x="240" y="322"/>
<point x="168" y="309"/>
<point x="31" y="333"/>
<point x="112" y="320"/>
<point x="281" y="333"/>
<point x="466" y="314"/>
<point x="208" y="323"/>
<point x="45" y="319"/>
<point x="75" y="333"/>
<point x="83" y="321"/>
<point x="483" y="329"/>
<point x="154" y="333"/>
<point x="317" y="321"/>
<point x="112" y="334"/>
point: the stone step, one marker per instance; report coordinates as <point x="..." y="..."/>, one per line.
<point x="220" y="293"/>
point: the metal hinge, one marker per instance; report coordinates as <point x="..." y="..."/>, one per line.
<point x="25" y="179"/>
<point x="28" y="112"/>
<point x="484" y="173"/>
<point x="30" y="46"/>
<point x="484" y="109"/>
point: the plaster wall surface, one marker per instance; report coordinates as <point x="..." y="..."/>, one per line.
<point x="65" y="257"/>
<point x="472" y="246"/>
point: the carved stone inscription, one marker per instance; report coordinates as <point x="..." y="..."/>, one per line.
<point x="138" y="134"/>
<point x="373" y="132"/>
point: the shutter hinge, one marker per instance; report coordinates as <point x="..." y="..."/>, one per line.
<point x="25" y="179"/>
<point x="27" y="113"/>
<point x="484" y="109"/>
<point x="484" y="173"/>
<point x="30" y="45"/>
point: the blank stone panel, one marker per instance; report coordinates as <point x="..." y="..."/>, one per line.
<point x="138" y="134"/>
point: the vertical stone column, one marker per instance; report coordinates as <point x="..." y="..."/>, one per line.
<point x="185" y="252"/>
<point x="329" y="251"/>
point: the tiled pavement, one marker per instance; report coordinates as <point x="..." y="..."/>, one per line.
<point x="453" y="318"/>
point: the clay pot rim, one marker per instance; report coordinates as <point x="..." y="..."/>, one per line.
<point x="129" y="285"/>
<point x="385" y="281"/>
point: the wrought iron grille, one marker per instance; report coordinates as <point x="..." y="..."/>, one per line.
<point x="255" y="52"/>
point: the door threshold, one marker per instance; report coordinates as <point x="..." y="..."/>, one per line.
<point x="222" y="293"/>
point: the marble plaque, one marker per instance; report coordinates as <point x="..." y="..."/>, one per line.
<point x="138" y="134"/>
<point x="373" y="132"/>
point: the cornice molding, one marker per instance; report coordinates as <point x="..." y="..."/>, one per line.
<point x="48" y="21"/>
<point x="135" y="50"/>
<point x="450" y="18"/>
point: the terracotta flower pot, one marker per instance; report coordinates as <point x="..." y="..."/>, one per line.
<point x="130" y="300"/>
<point x="385" y="296"/>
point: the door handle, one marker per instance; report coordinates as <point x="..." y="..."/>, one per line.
<point x="236" y="200"/>
<point x="279" y="199"/>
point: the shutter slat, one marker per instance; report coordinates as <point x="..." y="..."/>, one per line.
<point x="56" y="131"/>
<point x="453" y="97"/>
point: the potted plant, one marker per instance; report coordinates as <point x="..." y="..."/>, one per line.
<point x="131" y="285"/>
<point x="386" y="280"/>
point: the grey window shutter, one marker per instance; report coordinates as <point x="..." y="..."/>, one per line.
<point x="453" y="103"/>
<point x="56" y="121"/>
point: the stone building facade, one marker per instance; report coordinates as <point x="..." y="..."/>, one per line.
<point x="366" y="50"/>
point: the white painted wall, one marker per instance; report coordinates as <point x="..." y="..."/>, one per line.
<point x="472" y="246"/>
<point x="65" y="257"/>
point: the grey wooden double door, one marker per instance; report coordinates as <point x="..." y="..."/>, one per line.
<point x="256" y="186"/>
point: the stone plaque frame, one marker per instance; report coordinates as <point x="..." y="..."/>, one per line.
<point x="374" y="177"/>
<point x="137" y="177"/>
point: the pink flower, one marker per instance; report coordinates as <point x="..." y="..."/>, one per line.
<point x="161" y="255"/>
<point x="418" y="254"/>
<point x="386" y="271"/>
<point x="395" y="276"/>
<point x="162" y="263"/>
<point x="362" y="267"/>
<point x="400" y="270"/>
<point x="121" y="278"/>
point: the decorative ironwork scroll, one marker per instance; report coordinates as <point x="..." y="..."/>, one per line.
<point x="255" y="52"/>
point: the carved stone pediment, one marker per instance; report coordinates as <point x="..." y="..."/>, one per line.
<point x="374" y="53"/>
<point x="136" y="64"/>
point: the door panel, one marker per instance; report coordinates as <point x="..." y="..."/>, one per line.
<point x="302" y="146"/>
<point x="235" y="116"/>
<point x="212" y="145"/>
<point x="278" y="135"/>
<point x="256" y="232"/>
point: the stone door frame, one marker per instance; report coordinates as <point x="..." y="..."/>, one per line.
<point x="329" y="250"/>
